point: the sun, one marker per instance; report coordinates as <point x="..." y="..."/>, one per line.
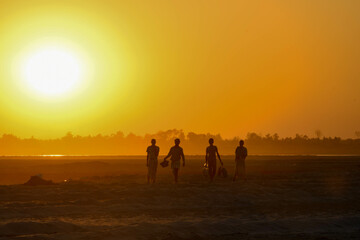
<point x="52" y="71"/>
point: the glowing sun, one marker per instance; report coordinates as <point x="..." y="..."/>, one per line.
<point x="52" y="71"/>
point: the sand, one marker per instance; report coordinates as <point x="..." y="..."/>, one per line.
<point x="285" y="197"/>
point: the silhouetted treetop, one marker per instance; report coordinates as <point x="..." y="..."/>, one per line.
<point x="193" y="143"/>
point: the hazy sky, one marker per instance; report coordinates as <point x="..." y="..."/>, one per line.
<point x="226" y="67"/>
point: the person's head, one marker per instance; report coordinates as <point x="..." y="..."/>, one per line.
<point x="177" y="142"/>
<point x="153" y="141"/>
<point x="241" y="143"/>
<point x="211" y="141"/>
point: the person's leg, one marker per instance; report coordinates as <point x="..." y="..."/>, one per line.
<point x="245" y="173"/>
<point x="155" y="170"/>
<point x="211" y="172"/>
<point x="151" y="171"/>
<point x="212" y="169"/>
<point x="176" y="173"/>
<point x="236" y="172"/>
<point x="243" y="177"/>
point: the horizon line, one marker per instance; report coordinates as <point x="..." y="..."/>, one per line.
<point x="186" y="134"/>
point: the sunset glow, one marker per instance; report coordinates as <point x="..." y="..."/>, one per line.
<point x="52" y="72"/>
<point x="230" y="67"/>
<point x="179" y="119"/>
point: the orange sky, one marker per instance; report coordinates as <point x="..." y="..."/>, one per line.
<point x="226" y="67"/>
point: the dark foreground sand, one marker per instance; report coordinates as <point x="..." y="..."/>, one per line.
<point x="284" y="198"/>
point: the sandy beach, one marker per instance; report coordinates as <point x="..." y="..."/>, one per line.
<point x="285" y="197"/>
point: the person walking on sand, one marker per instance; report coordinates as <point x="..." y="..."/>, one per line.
<point x="176" y="153"/>
<point x="210" y="159"/>
<point x="240" y="155"/>
<point x="152" y="160"/>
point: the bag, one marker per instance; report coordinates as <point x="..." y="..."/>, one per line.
<point x="222" y="172"/>
<point x="165" y="163"/>
<point x="205" y="171"/>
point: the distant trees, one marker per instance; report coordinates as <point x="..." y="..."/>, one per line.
<point x="193" y="143"/>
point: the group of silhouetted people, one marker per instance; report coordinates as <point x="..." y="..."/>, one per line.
<point x="176" y="153"/>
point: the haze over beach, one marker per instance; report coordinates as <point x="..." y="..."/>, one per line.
<point x="120" y="144"/>
<point x="177" y="120"/>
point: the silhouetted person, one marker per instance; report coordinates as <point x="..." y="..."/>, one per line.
<point x="240" y="155"/>
<point x="210" y="158"/>
<point x="152" y="160"/>
<point x="176" y="153"/>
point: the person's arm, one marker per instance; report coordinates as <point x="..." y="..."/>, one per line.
<point x="147" y="159"/>
<point x="183" y="157"/>
<point x="206" y="156"/>
<point x="169" y="154"/>
<point x="158" y="151"/>
<point x="217" y="153"/>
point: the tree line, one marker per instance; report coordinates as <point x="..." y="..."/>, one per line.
<point x="193" y="144"/>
